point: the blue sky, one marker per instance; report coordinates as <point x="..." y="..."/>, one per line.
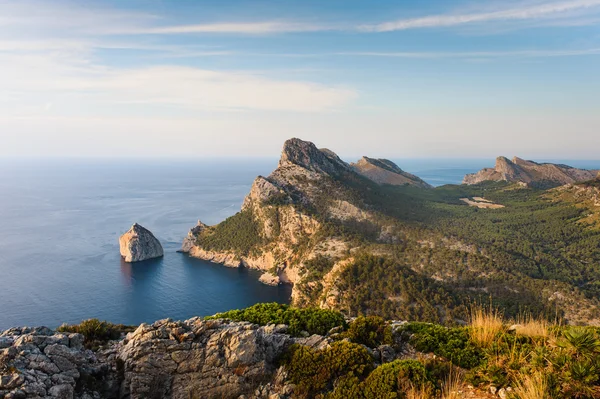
<point x="236" y="78"/>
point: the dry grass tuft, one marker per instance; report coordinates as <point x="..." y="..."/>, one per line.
<point x="453" y="385"/>
<point x="529" y="326"/>
<point x="531" y="386"/>
<point x="418" y="393"/>
<point x="486" y="324"/>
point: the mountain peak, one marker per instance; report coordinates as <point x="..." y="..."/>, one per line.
<point x="384" y="171"/>
<point x="307" y="155"/>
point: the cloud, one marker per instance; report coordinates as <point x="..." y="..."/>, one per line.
<point x="477" y="54"/>
<point x="42" y="78"/>
<point x="254" y="28"/>
<point x="530" y="12"/>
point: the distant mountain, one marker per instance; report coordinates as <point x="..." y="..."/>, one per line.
<point x="531" y="173"/>
<point x="368" y="238"/>
<point x="383" y="171"/>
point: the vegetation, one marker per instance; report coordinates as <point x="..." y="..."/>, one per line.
<point x="239" y="233"/>
<point x="454" y="344"/>
<point x="370" y="331"/>
<point x="315" y="371"/>
<point x="96" y="332"/>
<point x="309" y="320"/>
<point x="486" y="324"/>
<point x="564" y="363"/>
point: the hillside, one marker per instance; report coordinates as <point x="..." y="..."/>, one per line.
<point x="272" y="351"/>
<point x="348" y="243"/>
<point x="535" y="174"/>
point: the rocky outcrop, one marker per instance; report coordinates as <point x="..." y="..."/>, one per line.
<point x="305" y="154"/>
<point x="190" y="240"/>
<point x="139" y="244"/>
<point x="199" y="359"/>
<point x="530" y="173"/>
<point x="39" y="363"/>
<point x="167" y="359"/>
<point x="383" y="171"/>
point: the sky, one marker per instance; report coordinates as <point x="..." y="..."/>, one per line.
<point x="198" y="79"/>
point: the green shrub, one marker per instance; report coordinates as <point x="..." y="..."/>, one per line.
<point x="453" y="344"/>
<point x="388" y="381"/>
<point x="371" y="331"/>
<point x="315" y="371"/>
<point x="311" y="320"/>
<point x="96" y="332"/>
<point x="239" y="233"/>
<point x="392" y="380"/>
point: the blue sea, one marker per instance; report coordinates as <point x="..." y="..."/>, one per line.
<point x="60" y="221"/>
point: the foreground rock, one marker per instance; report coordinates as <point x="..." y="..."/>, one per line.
<point x="167" y="359"/>
<point x="139" y="244"/>
<point x="530" y="173"/>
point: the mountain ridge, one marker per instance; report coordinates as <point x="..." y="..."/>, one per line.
<point x="530" y="172"/>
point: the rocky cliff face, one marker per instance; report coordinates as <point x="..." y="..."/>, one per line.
<point x="383" y="171"/>
<point x="292" y="205"/>
<point x="139" y="244"/>
<point x="530" y="173"/>
<point x="166" y="359"/>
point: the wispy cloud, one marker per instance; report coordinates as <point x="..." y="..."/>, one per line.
<point x="254" y="28"/>
<point x="41" y="78"/>
<point x="477" y="54"/>
<point x="525" y="12"/>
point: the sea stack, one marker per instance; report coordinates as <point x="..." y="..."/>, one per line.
<point x="139" y="244"/>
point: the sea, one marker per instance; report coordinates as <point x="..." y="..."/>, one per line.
<point x="60" y="220"/>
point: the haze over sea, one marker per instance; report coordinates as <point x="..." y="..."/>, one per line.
<point x="61" y="219"/>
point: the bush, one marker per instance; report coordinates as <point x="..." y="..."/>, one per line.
<point x="397" y="379"/>
<point x="239" y="233"/>
<point x="96" y="332"/>
<point x="315" y="371"/>
<point x="370" y="331"/>
<point x="453" y="344"/>
<point x="311" y="320"/>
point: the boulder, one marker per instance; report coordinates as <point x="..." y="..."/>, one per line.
<point x="139" y="244"/>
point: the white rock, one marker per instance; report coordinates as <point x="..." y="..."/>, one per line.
<point x="139" y="244"/>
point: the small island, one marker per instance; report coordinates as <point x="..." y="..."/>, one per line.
<point x="139" y="244"/>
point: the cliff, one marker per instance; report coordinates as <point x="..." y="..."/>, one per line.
<point x="355" y="242"/>
<point x="383" y="171"/>
<point x="531" y="173"/>
<point x="284" y="213"/>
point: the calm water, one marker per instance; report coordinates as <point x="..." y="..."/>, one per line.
<point x="59" y="228"/>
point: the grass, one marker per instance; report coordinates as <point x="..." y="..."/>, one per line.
<point x="529" y="326"/>
<point x="531" y="386"/>
<point x="415" y="392"/>
<point x="486" y="324"/>
<point x="453" y="384"/>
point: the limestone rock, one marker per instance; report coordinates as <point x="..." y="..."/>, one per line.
<point x="269" y="279"/>
<point x="383" y="171"/>
<point x="530" y="173"/>
<point x="305" y="154"/>
<point x="190" y="240"/>
<point x="139" y="244"/>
